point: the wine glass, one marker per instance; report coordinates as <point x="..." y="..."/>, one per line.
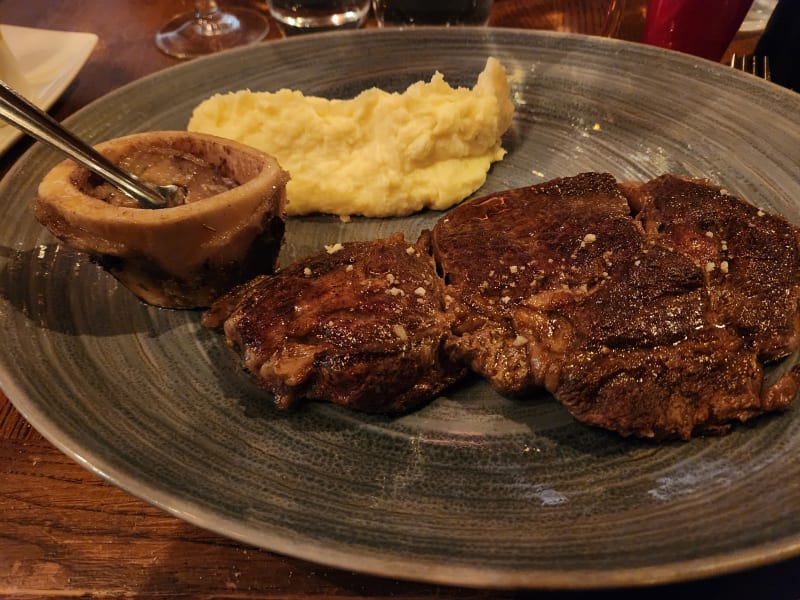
<point x="210" y="29"/>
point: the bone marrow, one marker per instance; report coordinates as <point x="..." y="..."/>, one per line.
<point x="228" y="229"/>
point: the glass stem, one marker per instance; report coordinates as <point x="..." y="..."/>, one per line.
<point x="205" y="9"/>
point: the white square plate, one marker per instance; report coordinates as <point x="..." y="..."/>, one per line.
<point x="50" y="60"/>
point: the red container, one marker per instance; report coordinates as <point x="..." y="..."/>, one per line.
<point x="701" y="27"/>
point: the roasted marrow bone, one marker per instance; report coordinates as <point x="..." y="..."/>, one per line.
<point x="228" y="230"/>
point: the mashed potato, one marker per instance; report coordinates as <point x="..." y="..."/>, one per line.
<point x="379" y="154"/>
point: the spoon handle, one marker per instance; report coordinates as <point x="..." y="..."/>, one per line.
<point x="19" y="112"/>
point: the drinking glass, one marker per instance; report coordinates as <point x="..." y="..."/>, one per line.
<point x="309" y="16"/>
<point x="431" y="12"/>
<point x="703" y="28"/>
<point x="588" y="17"/>
<point x="210" y="29"/>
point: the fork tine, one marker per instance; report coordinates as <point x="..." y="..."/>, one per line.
<point x="765" y="71"/>
<point x="760" y="67"/>
<point x="755" y="65"/>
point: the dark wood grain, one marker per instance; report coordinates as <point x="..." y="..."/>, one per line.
<point x="64" y="532"/>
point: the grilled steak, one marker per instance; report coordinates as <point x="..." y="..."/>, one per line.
<point x="362" y="325"/>
<point x="530" y="245"/>
<point x="655" y="326"/>
<point x="648" y="309"/>
<point x="750" y="258"/>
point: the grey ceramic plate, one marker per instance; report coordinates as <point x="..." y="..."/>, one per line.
<point x="474" y="489"/>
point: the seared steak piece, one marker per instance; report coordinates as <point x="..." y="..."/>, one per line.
<point x="648" y="326"/>
<point x="699" y="385"/>
<point x="644" y="357"/>
<point x="750" y="258"/>
<point x="362" y="324"/>
<point x="647" y="309"/>
<point x="525" y="247"/>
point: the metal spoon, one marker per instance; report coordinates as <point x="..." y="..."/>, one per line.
<point x="25" y="116"/>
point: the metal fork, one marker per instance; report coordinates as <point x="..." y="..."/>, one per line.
<point x="753" y="64"/>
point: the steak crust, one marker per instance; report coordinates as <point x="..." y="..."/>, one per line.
<point x="646" y="309"/>
<point x="361" y="325"/>
<point x="518" y="248"/>
<point x="654" y="324"/>
<point x="750" y="258"/>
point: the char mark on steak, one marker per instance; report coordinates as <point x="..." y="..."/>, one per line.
<point x="362" y="325"/>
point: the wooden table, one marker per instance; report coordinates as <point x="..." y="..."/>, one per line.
<point x="64" y="532"/>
